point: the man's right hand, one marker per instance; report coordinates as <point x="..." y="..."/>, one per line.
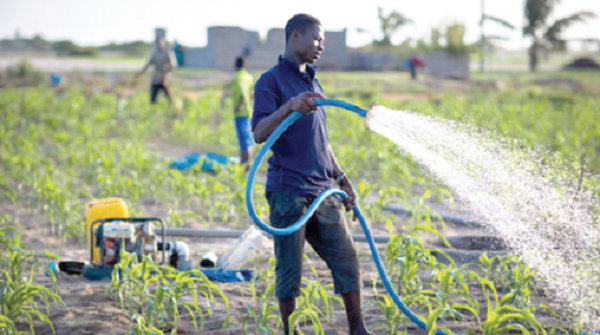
<point x="304" y="102"/>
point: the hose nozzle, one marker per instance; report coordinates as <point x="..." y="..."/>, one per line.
<point x="369" y="115"/>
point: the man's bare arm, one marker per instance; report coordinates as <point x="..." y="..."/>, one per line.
<point x="172" y="61"/>
<point x="145" y="68"/>
<point x="337" y="169"/>
<point x="344" y="183"/>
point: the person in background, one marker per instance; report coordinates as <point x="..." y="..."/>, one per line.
<point x="415" y="61"/>
<point x="178" y="49"/>
<point x="164" y="63"/>
<point x="241" y="94"/>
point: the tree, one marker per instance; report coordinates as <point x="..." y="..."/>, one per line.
<point x="547" y="36"/>
<point x="68" y="48"/>
<point x="455" y="36"/>
<point x="486" y="39"/>
<point x="435" y="38"/>
<point x="389" y="25"/>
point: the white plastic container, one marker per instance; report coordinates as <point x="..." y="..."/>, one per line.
<point x="251" y="244"/>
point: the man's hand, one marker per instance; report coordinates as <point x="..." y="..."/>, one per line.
<point x="352" y="199"/>
<point x="304" y="102"/>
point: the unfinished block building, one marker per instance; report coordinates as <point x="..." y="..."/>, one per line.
<point x="225" y="44"/>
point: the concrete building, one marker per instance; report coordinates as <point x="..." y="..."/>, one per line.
<point x="225" y="44"/>
<point x="447" y="65"/>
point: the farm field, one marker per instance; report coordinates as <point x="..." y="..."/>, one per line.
<point x="63" y="147"/>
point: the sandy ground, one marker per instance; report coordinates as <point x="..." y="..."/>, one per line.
<point x="58" y="64"/>
<point x="65" y="64"/>
<point x="89" y="310"/>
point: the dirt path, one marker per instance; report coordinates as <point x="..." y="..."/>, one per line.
<point x="56" y="64"/>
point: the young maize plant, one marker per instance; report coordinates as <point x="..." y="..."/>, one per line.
<point x="20" y="295"/>
<point x="152" y="294"/>
<point x="266" y="319"/>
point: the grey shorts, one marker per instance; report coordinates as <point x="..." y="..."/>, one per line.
<point x="326" y="232"/>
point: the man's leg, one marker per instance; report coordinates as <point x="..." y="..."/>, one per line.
<point x="332" y="241"/>
<point x="244" y="157"/>
<point x="249" y="154"/>
<point x="286" y="308"/>
<point x="153" y="93"/>
<point x="167" y="89"/>
<point x="244" y="134"/>
<point x="356" y="323"/>
<point x="285" y="209"/>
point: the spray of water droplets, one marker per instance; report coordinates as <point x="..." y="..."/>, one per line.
<point x="544" y="213"/>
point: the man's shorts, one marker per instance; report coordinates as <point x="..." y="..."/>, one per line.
<point x="244" y="133"/>
<point x="155" y="88"/>
<point x="327" y="233"/>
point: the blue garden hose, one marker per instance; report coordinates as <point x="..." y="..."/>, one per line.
<point x="315" y="205"/>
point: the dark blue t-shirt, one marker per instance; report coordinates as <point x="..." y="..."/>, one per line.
<point x="301" y="162"/>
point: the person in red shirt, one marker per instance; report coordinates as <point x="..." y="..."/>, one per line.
<point x="414" y="62"/>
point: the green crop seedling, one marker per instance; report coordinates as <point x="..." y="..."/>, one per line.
<point x="20" y="295"/>
<point x="58" y="151"/>
<point x="152" y="294"/>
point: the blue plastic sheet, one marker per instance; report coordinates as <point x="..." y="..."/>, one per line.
<point x="210" y="161"/>
<point x="55" y="78"/>
<point x="229" y="276"/>
<point x="221" y="276"/>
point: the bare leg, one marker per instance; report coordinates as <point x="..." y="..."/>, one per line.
<point x="247" y="155"/>
<point x="250" y="154"/>
<point x="286" y="308"/>
<point x="168" y="93"/>
<point x="354" y="313"/>
<point x="244" y="157"/>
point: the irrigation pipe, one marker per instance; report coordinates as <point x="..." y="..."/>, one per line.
<point x="184" y="232"/>
<point x="315" y="205"/>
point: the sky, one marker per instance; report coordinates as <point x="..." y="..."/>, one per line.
<point x="97" y="22"/>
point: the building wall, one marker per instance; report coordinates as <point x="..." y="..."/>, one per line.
<point x="198" y="58"/>
<point x="372" y="61"/>
<point x="447" y="65"/>
<point x="265" y="56"/>
<point x="275" y="39"/>
<point x="262" y="58"/>
<point x="335" y="55"/>
<point x="225" y="44"/>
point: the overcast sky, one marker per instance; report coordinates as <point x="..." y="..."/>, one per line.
<point x="96" y="22"/>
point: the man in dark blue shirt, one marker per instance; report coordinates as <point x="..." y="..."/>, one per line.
<point x="301" y="167"/>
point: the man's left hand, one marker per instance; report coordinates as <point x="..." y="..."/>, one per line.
<point x="352" y="199"/>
